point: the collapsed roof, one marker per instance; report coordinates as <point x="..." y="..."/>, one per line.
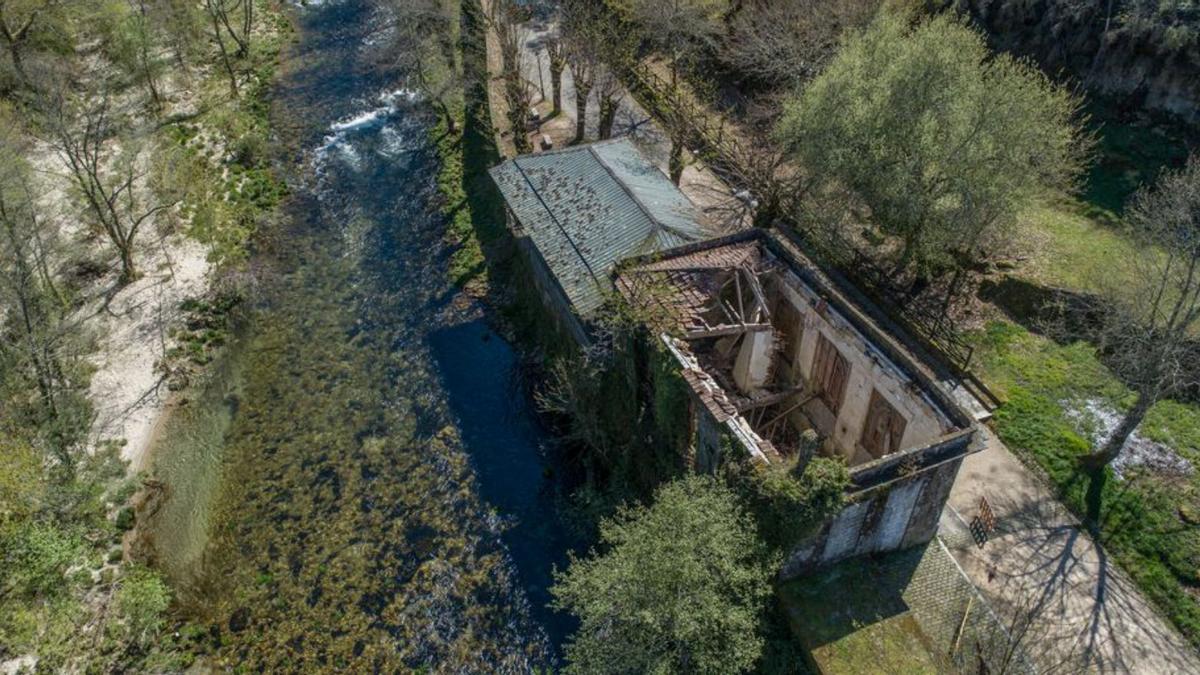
<point x="777" y="355"/>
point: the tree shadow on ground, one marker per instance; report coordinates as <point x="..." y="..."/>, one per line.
<point x="1058" y="592"/>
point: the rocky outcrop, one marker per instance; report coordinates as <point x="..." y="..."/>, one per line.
<point x="1148" y="58"/>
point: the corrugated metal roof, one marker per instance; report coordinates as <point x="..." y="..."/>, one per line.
<point x="589" y="207"/>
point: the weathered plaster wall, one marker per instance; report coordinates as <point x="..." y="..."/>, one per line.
<point x="869" y="370"/>
<point x="891" y="517"/>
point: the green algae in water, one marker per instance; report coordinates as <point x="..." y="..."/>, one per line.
<point x="187" y="462"/>
<point x="342" y="535"/>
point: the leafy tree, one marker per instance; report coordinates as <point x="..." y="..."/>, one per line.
<point x="941" y="139"/>
<point x="679" y="589"/>
<point x="40" y="369"/>
<point x="1151" y="316"/>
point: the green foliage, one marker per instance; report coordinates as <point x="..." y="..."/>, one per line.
<point x="468" y="268"/>
<point x="671" y="404"/>
<point x="943" y="140"/>
<point x="788" y="504"/>
<point x="206" y="329"/>
<point x="679" y="588"/>
<point x="21" y="487"/>
<point x="36" y="557"/>
<point x="142" y="601"/>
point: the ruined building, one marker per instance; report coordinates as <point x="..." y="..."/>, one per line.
<point x="780" y="360"/>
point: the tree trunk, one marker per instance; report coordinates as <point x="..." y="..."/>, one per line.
<point x="675" y="164"/>
<point x="14" y="51"/>
<point x="608" y="115"/>
<point x="129" y="272"/>
<point x="233" y="85"/>
<point x="581" y="102"/>
<point x="1112" y="448"/>
<point x="556" y="71"/>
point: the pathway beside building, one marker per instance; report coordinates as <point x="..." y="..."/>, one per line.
<point x="698" y="182"/>
<point x="1070" y="606"/>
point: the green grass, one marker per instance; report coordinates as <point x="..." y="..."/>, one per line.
<point x="1066" y="248"/>
<point x="1146" y="522"/>
<point x="467" y="264"/>
<point x="851" y="619"/>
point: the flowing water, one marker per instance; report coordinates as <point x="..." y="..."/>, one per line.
<point x="384" y="495"/>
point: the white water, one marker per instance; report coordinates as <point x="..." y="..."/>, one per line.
<point x="387" y="104"/>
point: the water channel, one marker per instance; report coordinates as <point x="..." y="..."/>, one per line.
<point x="375" y="489"/>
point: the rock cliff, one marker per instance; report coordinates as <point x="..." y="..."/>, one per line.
<point x="1146" y="54"/>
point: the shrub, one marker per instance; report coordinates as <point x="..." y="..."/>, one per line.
<point x="787" y="504"/>
<point x="142" y="600"/>
<point x="36" y="557"/>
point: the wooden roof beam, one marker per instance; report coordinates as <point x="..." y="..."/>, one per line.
<point x="770" y="399"/>
<point x="728" y="329"/>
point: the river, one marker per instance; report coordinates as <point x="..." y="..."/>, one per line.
<point x="376" y="492"/>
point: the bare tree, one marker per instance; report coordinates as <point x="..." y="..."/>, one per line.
<point x="1151" y="316"/>
<point x="110" y="173"/>
<point x="237" y="19"/>
<point x="681" y="28"/>
<point x="580" y="35"/>
<point x="134" y="50"/>
<point x="786" y="42"/>
<point x="20" y="20"/>
<point x="505" y="20"/>
<point x="610" y="92"/>
<point x="617" y="50"/>
<point x="426" y="42"/>
<point x="220" y="24"/>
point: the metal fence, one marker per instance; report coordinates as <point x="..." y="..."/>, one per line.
<point x="958" y="620"/>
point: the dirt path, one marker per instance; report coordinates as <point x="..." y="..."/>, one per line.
<point x="1073" y="609"/>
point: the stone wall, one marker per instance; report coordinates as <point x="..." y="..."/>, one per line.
<point x="553" y="297"/>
